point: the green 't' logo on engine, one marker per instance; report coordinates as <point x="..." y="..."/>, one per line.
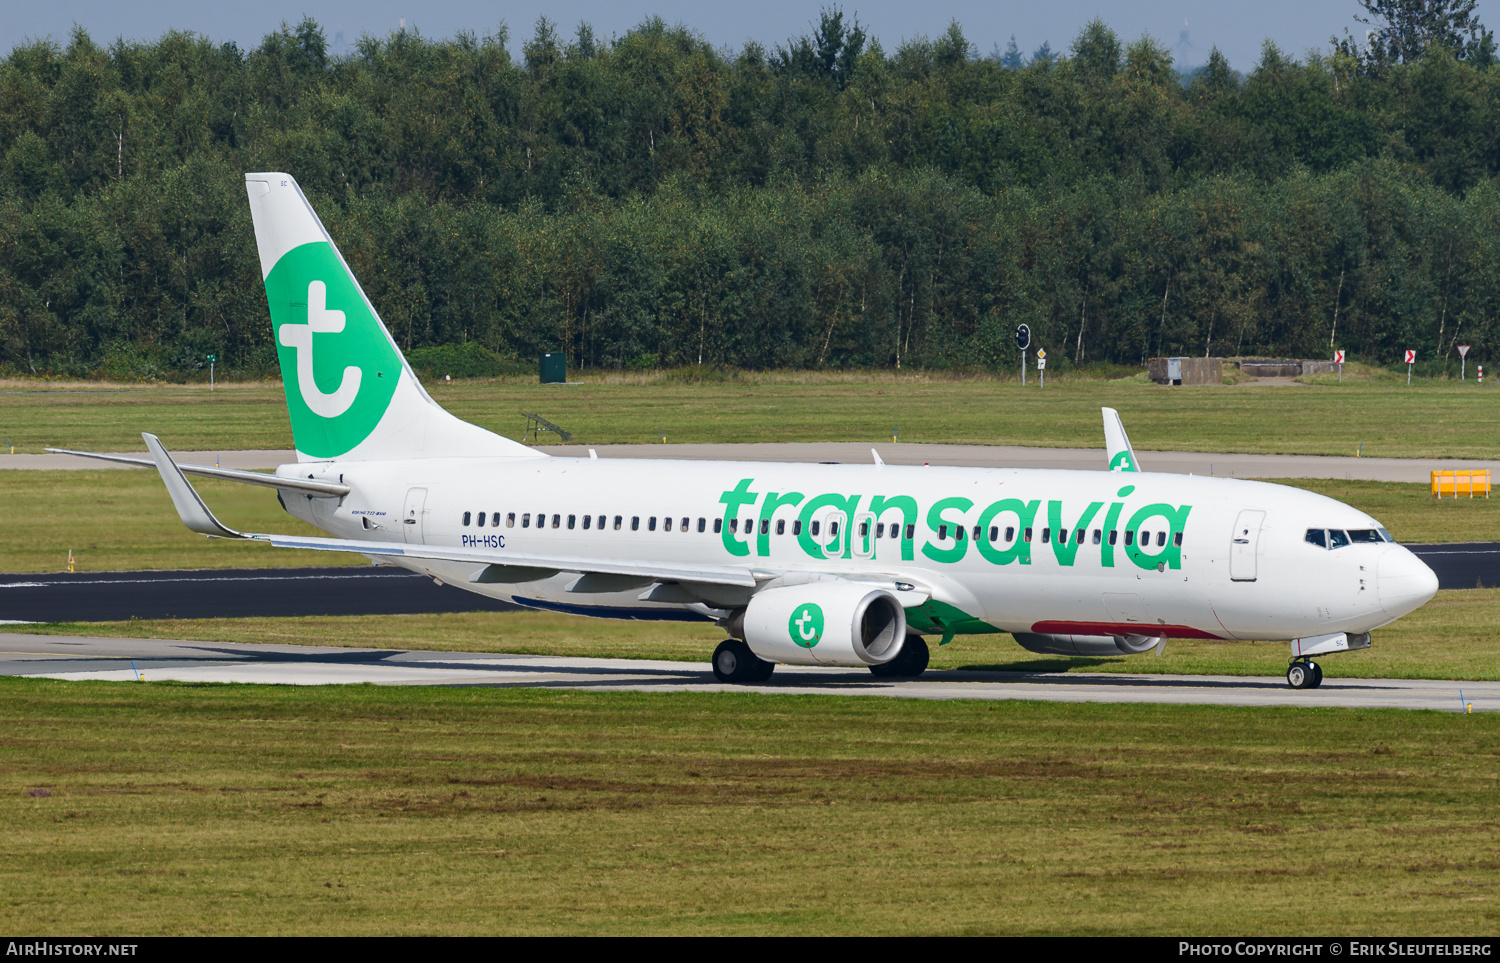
<point x="337" y="365"/>
<point x="806" y="625"/>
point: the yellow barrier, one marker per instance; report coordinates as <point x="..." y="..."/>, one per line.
<point x="1461" y="482"/>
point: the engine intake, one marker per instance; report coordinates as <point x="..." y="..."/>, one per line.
<point x="833" y="622"/>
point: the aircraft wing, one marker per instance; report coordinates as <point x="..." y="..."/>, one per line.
<point x="1117" y="443"/>
<point x="303" y="485"/>
<point x="197" y="517"/>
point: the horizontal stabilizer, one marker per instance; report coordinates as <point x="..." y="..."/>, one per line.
<point x="303" y="485"/>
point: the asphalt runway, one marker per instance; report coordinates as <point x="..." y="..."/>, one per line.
<point x="978" y="456"/>
<point x="126" y="660"/>
<point x="296" y="592"/>
<point x="230" y="593"/>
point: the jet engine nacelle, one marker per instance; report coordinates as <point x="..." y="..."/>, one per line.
<point x="1086" y="644"/>
<point x="833" y="622"/>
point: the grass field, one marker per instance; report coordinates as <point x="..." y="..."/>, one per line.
<point x="1452" y="637"/>
<point x="175" y="809"/>
<point x="123" y="520"/>
<point x="1429" y="419"/>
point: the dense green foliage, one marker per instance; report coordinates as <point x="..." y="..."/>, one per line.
<point x="653" y="201"/>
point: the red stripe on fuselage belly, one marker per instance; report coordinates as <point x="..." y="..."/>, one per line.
<point x="1121" y="628"/>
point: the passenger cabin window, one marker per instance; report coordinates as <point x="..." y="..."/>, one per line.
<point x="734" y="526"/>
<point x="702" y="523"/>
<point x="719" y="526"/>
<point x="618" y="519"/>
<point x="666" y="524"/>
<point x="467" y="516"/>
<point x="765" y="526"/>
<point x="1046" y="535"/>
<point x="911" y="532"/>
<point x="601" y="523"/>
<point x="635" y="523"/>
<point x="480" y="520"/>
<point x="958" y="533"/>
<point x="1010" y="533"/>
<point x="1130" y="538"/>
<point x="780" y="526"/>
<point x="495" y="520"/>
<point x="1177" y="539"/>
<point x="1026" y="535"/>
<point x="572" y="521"/>
<point x="1161" y="539"/>
<point x="942" y="533"/>
<point x="1114" y="537"/>
<point x="685" y="524"/>
<point x="1097" y="536"/>
<point x="586" y="520"/>
<point x="510" y="520"/>
<point x="526" y="520"/>
<point x="814" y="529"/>
<point x="651" y="524"/>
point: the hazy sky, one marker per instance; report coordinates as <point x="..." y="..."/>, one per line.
<point x="1191" y="27"/>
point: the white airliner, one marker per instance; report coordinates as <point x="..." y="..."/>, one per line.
<point x="802" y="564"/>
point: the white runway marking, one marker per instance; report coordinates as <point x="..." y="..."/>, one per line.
<point x="79" y="658"/>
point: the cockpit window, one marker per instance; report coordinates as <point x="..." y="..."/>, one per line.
<point x="1337" y="538"/>
<point x="1385" y="535"/>
<point x="1364" y="535"/>
<point x="1317" y="537"/>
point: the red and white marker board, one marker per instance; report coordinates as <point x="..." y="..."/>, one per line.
<point x="1338" y="357"/>
<point x="1411" y="357"/>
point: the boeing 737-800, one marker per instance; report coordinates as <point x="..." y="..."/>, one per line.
<point x="802" y="564"/>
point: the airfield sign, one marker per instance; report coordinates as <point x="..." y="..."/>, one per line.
<point x="1463" y="360"/>
<point x="1338" y="359"/>
<point x="1411" y="356"/>
<point x="1023" y="341"/>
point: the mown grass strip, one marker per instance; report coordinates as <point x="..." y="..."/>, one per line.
<point x="162" y="808"/>
<point x="1386" y="418"/>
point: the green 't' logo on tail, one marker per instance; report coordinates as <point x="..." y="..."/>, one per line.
<point x="1122" y="462"/>
<point x="337" y="364"/>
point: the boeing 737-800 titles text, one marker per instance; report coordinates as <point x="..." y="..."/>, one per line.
<point x="807" y="564"/>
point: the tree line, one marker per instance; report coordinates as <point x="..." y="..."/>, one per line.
<point x="650" y="200"/>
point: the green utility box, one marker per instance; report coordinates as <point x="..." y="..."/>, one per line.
<point x="554" y="368"/>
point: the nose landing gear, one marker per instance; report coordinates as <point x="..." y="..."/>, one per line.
<point x="1304" y="674"/>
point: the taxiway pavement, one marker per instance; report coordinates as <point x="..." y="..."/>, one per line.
<point x="126" y="660"/>
<point x="978" y="456"/>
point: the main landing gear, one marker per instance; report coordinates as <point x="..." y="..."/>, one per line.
<point x="910" y="663"/>
<point x="1304" y="674"/>
<point x="734" y="662"/>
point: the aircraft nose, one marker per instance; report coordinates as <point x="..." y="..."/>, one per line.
<point x="1403" y="581"/>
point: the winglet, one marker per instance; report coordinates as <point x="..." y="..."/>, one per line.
<point x="1117" y="444"/>
<point x="190" y="508"/>
<point x="878" y="459"/>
